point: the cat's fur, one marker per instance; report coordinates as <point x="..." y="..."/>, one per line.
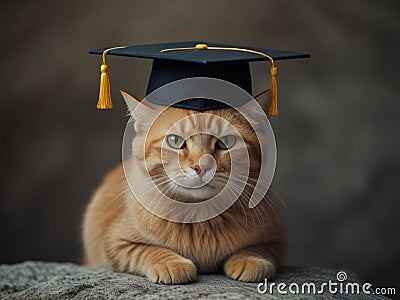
<point x="119" y="233"/>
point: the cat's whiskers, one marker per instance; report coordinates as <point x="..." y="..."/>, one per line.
<point x="156" y="180"/>
<point x="247" y="195"/>
<point x="241" y="204"/>
<point x="244" y="197"/>
<point x="157" y="183"/>
<point x="157" y="200"/>
<point x="278" y="196"/>
<point x="271" y="201"/>
<point x="119" y="194"/>
<point x="172" y="191"/>
<point x="271" y="188"/>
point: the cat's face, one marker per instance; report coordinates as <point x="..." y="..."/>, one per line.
<point x="189" y="155"/>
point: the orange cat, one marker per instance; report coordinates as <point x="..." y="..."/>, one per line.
<point x="120" y="233"/>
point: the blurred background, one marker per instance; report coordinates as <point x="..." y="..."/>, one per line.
<point x="338" y="170"/>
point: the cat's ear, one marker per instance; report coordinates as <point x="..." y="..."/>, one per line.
<point x="264" y="100"/>
<point x="142" y="112"/>
<point x="131" y="101"/>
<point x="253" y="112"/>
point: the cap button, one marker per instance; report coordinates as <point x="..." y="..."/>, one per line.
<point x="201" y="47"/>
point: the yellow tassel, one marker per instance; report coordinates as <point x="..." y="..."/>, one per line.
<point x="273" y="106"/>
<point x="104" y="94"/>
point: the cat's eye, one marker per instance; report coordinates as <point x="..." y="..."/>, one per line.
<point x="176" y="141"/>
<point x="226" y="142"/>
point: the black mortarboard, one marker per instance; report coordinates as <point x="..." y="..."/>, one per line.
<point x="174" y="61"/>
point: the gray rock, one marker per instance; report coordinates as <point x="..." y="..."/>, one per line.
<point x="51" y="280"/>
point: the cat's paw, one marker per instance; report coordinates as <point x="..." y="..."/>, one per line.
<point x="177" y="270"/>
<point x="249" y="268"/>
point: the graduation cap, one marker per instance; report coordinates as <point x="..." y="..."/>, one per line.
<point x="174" y="61"/>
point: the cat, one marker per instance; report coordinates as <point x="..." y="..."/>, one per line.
<point x="247" y="244"/>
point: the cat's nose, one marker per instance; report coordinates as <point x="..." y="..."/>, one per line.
<point x="200" y="170"/>
<point x="205" y="163"/>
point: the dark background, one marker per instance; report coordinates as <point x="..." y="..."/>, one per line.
<point x="338" y="170"/>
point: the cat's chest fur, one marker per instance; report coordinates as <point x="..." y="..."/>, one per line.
<point x="207" y="243"/>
